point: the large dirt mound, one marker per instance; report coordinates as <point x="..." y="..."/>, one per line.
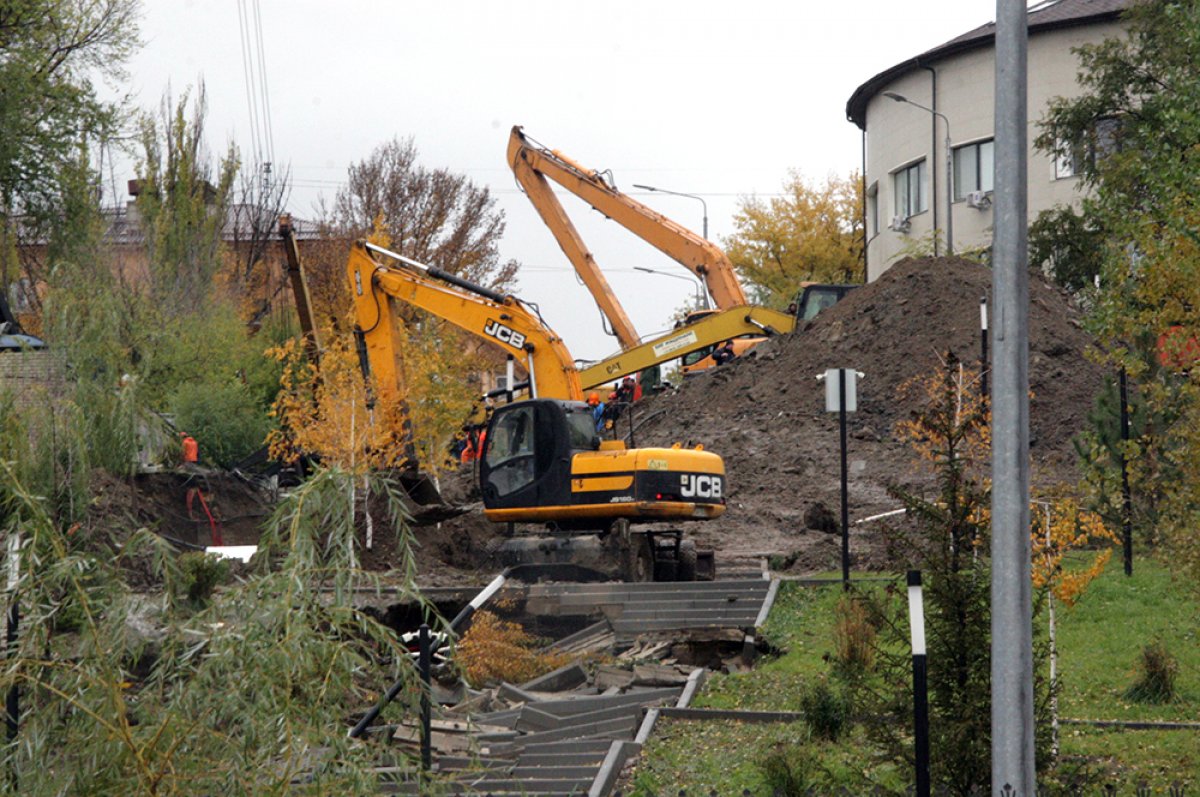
<point x="765" y="413"/>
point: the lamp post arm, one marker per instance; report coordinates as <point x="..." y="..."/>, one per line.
<point x="680" y="193"/>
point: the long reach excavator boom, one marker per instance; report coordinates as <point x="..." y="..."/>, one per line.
<point x="534" y="165"/>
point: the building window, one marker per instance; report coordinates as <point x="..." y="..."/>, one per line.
<point x="974" y="167"/>
<point x="1067" y="159"/>
<point x="873" y="209"/>
<point x="909" y="184"/>
<point x="1071" y="157"/>
<point x="1106" y="137"/>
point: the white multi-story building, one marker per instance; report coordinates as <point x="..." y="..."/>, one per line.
<point x="905" y="144"/>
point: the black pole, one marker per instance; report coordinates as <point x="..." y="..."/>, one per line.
<point x="459" y="619"/>
<point x="920" y="700"/>
<point x="845" y="490"/>
<point x="983" y="348"/>
<point x="1126" y="497"/>
<point x="425" y="665"/>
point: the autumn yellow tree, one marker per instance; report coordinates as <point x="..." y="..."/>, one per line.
<point x="811" y="232"/>
<point x="331" y="410"/>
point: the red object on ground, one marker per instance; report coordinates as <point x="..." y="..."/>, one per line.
<point x="213" y="525"/>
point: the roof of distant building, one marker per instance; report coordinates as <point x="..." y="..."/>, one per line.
<point x="1045" y="16"/>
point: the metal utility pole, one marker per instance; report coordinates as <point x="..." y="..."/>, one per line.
<point x="1012" y="604"/>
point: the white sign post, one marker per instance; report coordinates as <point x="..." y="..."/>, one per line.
<point x="841" y="396"/>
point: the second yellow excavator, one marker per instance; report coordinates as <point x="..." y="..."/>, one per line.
<point x="543" y="460"/>
<point x="734" y="318"/>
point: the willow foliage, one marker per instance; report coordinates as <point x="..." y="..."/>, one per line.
<point x="136" y="695"/>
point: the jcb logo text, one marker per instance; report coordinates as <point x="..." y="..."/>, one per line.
<point x="504" y="334"/>
<point x="693" y="486"/>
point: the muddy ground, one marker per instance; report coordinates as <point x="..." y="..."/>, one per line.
<point x="765" y="414"/>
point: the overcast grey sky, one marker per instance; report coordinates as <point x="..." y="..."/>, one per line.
<point x="719" y="99"/>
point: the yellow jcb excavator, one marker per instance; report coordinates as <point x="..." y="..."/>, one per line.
<point x="543" y="461"/>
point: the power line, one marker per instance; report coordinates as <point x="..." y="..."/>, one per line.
<point x="316" y="182"/>
<point x="248" y="77"/>
<point x="262" y="71"/>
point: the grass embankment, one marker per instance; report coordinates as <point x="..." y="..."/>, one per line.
<point x="1099" y="640"/>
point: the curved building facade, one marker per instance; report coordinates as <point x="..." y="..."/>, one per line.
<point x="904" y="112"/>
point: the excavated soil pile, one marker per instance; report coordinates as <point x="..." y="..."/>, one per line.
<point x="453" y="552"/>
<point x="765" y="413"/>
<point x="222" y="506"/>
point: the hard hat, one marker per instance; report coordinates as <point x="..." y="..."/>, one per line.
<point x="593" y="398"/>
<point x="612" y="396"/>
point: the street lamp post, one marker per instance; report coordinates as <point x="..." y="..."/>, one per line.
<point x="680" y="193"/>
<point x="949" y="166"/>
<point x="701" y="293"/>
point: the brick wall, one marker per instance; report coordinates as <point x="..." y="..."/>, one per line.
<point x="31" y="376"/>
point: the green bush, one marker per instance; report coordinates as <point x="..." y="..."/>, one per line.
<point x="1156" y="672"/>
<point x="789" y="771"/>
<point x="199" y="574"/>
<point x="223" y="417"/>
<point x="853" y="638"/>
<point x="826" y="711"/>
<point x="49" y="453"/>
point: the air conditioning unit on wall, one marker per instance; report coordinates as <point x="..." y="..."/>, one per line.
<point x="900" y="224"/>
<point x="979" y="200"/>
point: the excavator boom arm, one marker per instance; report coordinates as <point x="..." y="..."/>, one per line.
<point x="701" y="257"/>
<point x="710" y="330"/>
<point x="499" y="320"/>
<point x="538" y="189"/>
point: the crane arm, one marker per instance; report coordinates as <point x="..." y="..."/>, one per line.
<point x="700" y="256"/>
<point x="708" y="331"/>
<point x="500" y="320"/>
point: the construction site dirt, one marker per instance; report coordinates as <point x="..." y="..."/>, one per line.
<point x="765" y="415"/>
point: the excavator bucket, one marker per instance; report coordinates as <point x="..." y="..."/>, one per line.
<point x="420" y="489"/>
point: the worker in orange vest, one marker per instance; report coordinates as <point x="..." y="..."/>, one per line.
<point x="191" y="449"/>
<point x="474" y="448"/>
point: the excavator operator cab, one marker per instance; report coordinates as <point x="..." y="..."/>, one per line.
<point x="816" y="297"/>
<point x="527" y="455"/>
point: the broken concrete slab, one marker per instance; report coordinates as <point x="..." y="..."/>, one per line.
<point x="560" y="680"/>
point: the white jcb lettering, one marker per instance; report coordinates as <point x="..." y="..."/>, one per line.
<point x="699" y="486"/>
<point x="504" y="334"/>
